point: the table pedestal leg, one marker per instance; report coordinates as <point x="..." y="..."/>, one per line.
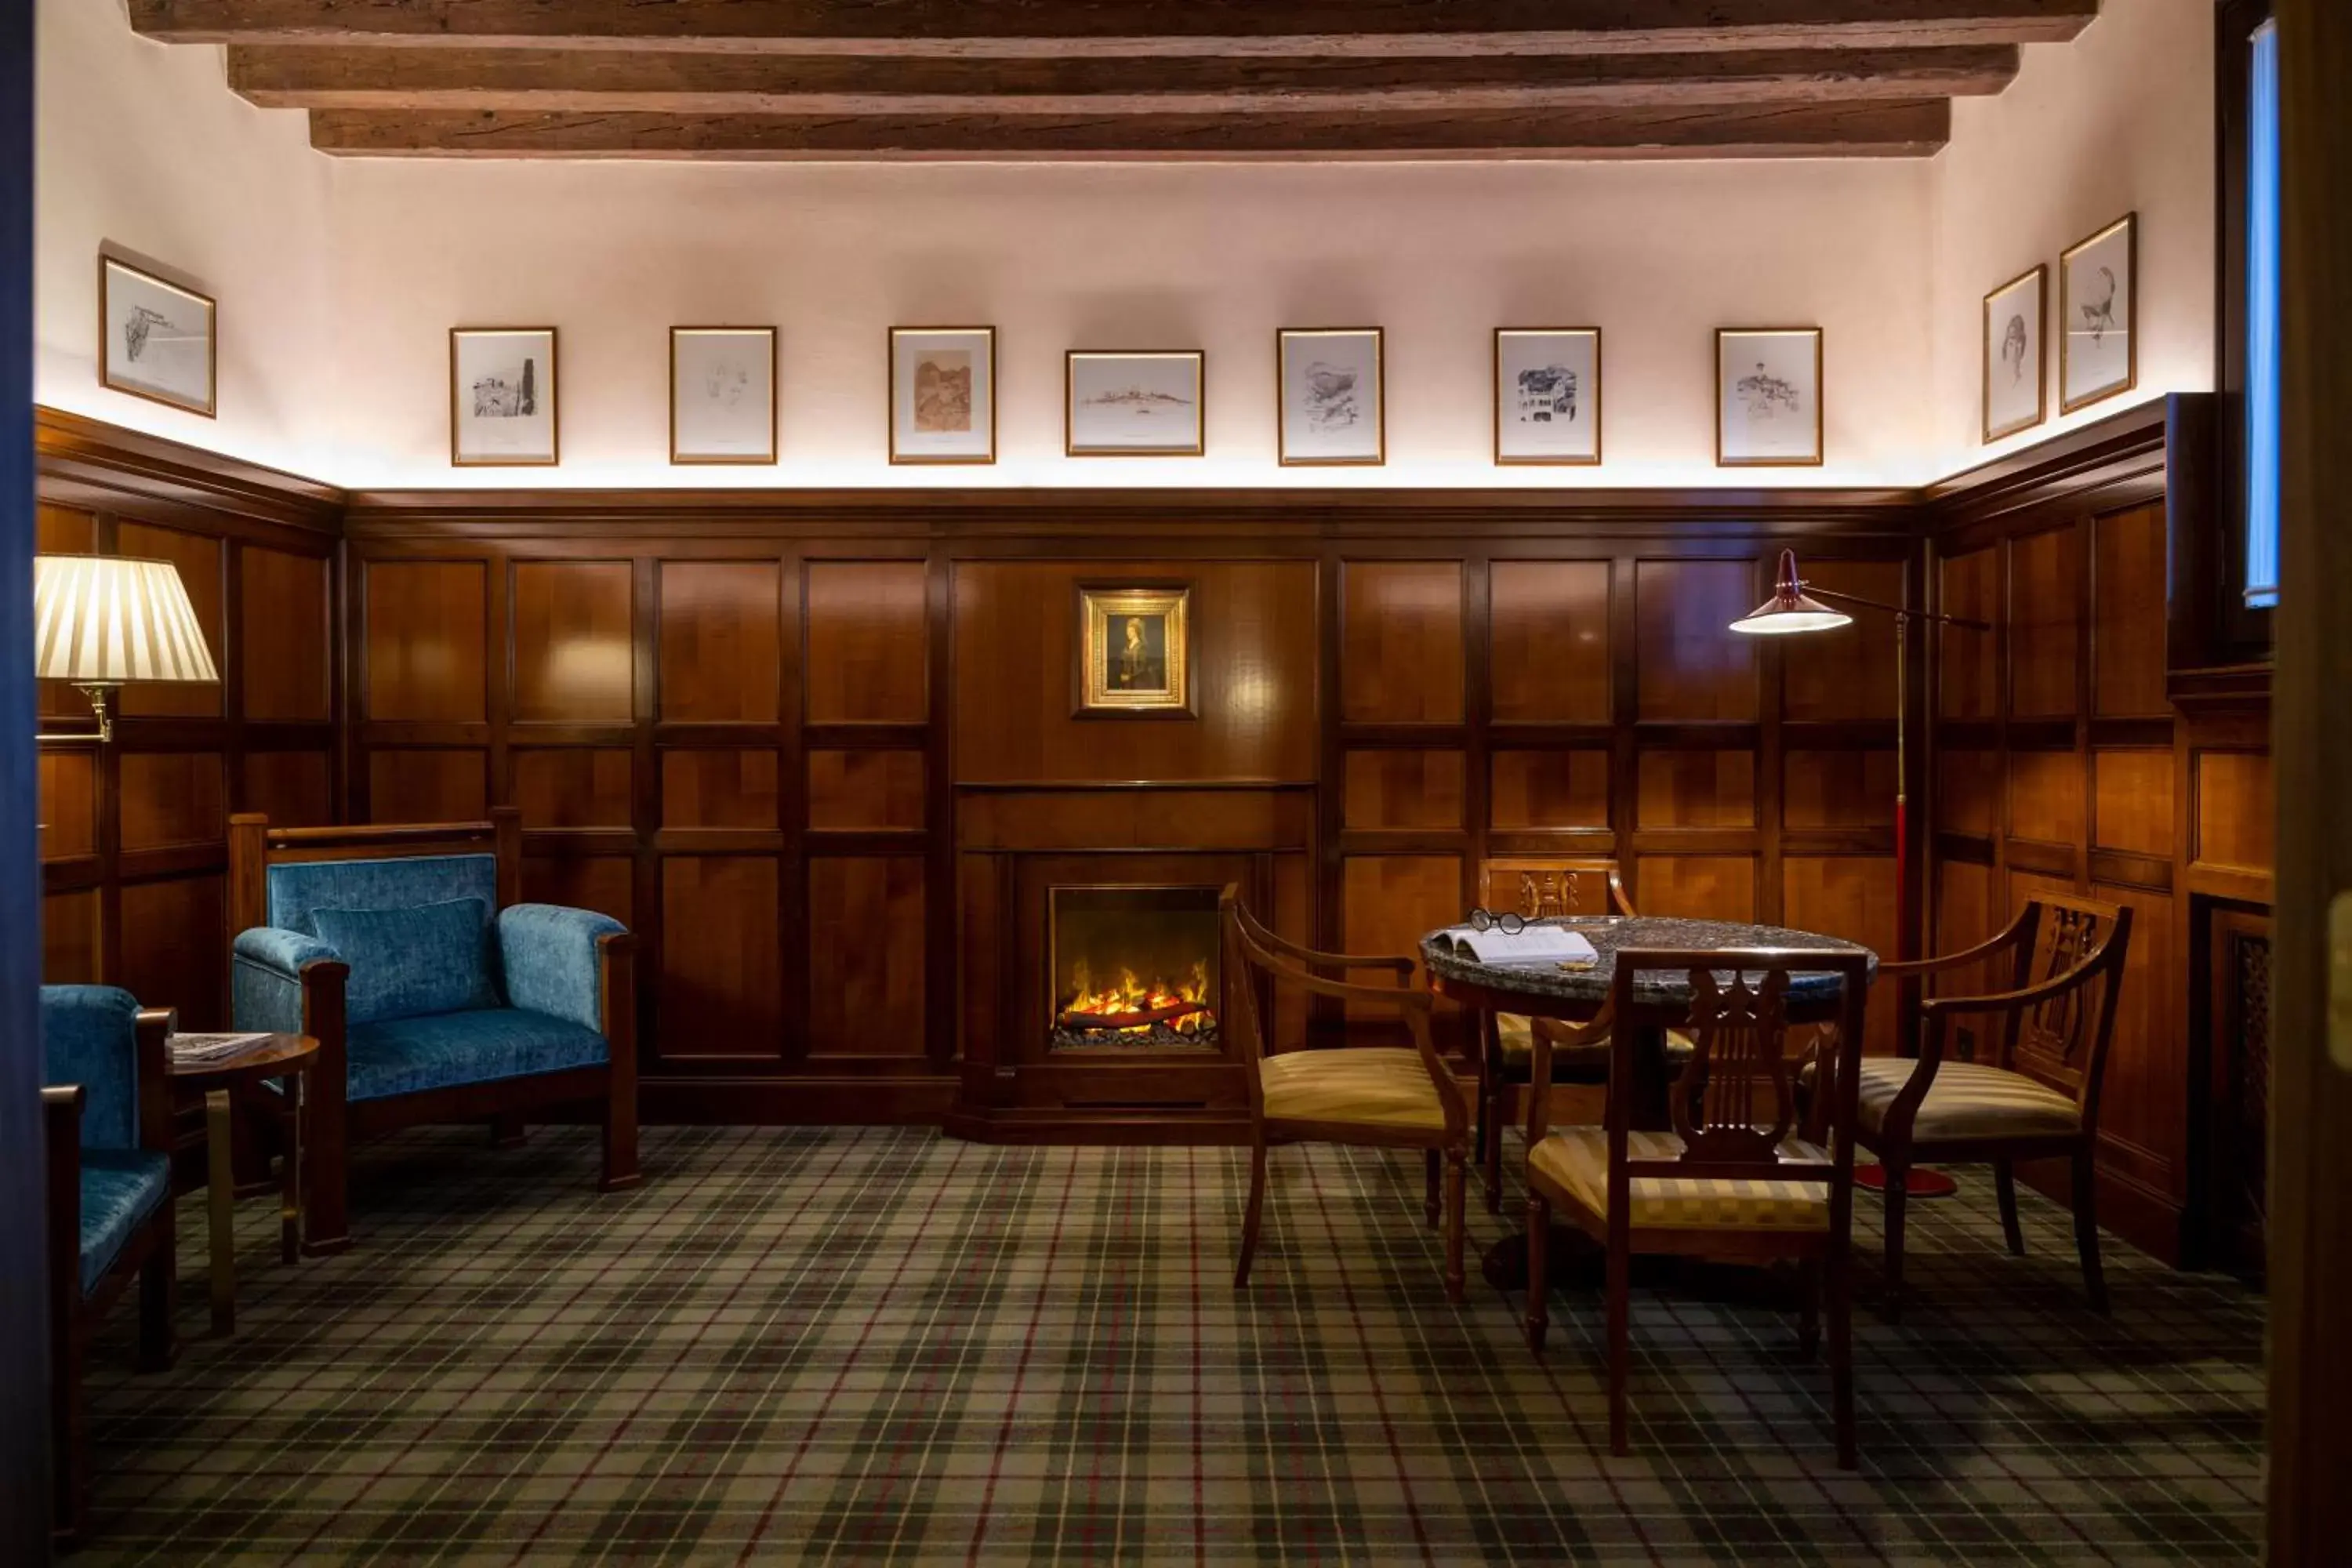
<point x="221" y="1201"/>
<point x="289" y="1221"/>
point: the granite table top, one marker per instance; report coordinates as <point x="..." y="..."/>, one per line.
<point x="1588" y="988"/>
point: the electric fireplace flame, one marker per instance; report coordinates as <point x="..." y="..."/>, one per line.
<point x="1134" y="968"/>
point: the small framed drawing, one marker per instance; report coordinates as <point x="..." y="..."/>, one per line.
<point x="1133" y="404"/>
<point x="722" y="395"/>
<point x="943" y="395"/>
<point x="1135" y="651"/>
<point x="1331" y="400"/>
<point x="2016" y="389"/>
<point x="2098" y="301"/>
<point x="155" y="339"/>
<point x="1767" y="403"/>
<point x="502" y="396"/>
<point x="1546" y="395"/>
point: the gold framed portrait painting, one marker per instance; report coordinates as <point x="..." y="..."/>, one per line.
<point x="1135" y="651"/>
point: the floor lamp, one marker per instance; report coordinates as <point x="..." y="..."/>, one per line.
<point x="1792" y="610"/>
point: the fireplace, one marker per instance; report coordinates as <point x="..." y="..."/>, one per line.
<point x="1133" y="968"/>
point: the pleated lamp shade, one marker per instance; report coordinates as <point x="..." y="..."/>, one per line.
<point x="104" y="620"/>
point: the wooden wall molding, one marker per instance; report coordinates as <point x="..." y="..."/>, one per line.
<point x="96" y="466"/>
<point x="1285" y="519"/>
<point x="2096" y="466"/>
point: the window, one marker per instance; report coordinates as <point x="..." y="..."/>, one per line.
<point x="2262" y="306"/>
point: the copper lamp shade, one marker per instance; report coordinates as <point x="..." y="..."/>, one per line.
<point x="1790" y="610"/>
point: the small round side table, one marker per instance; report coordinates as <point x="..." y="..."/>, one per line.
<point x="285" y="1056"/>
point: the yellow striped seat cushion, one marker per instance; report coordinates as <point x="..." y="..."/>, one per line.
<point x="1967" y="1100"/>
<point x="1575" y="1159"/>
<point x="1372" y="1086"/>
<point x="1516" y="1036"/>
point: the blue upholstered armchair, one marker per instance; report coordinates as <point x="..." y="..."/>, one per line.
<point x="108" y="1109"/>
<point x="433" y="994"/>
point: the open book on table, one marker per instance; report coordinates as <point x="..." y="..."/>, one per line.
<point x="209" y="1049"/>
<point x="1534" y="945"/>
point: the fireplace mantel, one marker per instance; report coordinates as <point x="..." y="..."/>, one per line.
<point x="1015" y="845"/>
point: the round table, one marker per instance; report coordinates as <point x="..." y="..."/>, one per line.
<point x="1576" y="995"/>
<point x="288" y="1058"/>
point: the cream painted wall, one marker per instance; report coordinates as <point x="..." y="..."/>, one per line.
<point x="2120" y="120"/>
<point x="144" y="148"/>
<point x="1215" y="257"/>
<point x="339" y="279"/>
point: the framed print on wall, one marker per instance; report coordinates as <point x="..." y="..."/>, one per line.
<point x="943" y="395"/>
<point x="722" y="395"/>
<point x="1767" y="403"/>
<point x="1330" y="397"/>
<point x="502" y="396"/>
<point x="1546" y="395"/>
<point x="2098" y="301"/>
<point x="1133" y="404"/>
<point x="157" y="340"/>
<point x="1135" y="652"/>
<point x="2016" y="388"/>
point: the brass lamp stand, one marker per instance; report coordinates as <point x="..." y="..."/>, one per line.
<point x="1794" y="608"/>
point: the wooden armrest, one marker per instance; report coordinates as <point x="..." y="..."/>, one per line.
<point x="1550" y="1033"/>
<point x="61" y="1110"/>
<point x="2006" y="1000"/>
<point x="1983" y="950"/>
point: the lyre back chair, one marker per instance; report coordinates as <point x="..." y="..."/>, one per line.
<point x="1536" y="888"/>
<point x="1383" y="1096"/>
<point x="1732" y="1180"/>
<point x="2036" y="1098"/>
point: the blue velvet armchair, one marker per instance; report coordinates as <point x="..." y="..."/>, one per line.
<point x="434" y="995"/>
<point x="107" y="1108"/>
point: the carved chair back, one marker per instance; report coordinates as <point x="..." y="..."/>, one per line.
<point x="1736" y="1102"/>
<point x="2072" y="952"/>
<point x="1547" y="886"/>
<point x="1257" y="960"/>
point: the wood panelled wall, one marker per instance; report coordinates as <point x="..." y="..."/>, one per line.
<point x="2074" y="753"/>
<point x="1581" y="697"/>
<point x="134" y="838"/>
<point x="754" y="727"/>
<point x="743" y="725"/>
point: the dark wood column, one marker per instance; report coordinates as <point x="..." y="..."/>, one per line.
<point x="24" y="1332"/>
<point x="2311" y="1223"/>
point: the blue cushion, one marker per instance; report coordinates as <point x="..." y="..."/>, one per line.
<point x="89" y="1036"/>
<point x="407" y="1056"/>
<point x="120" y="1188"/>
<point x="412" y="960"/>
<point x="550" y="959"/>
<point x="298" y="887"/>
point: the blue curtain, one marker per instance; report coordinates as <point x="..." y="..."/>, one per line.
<point x="2263" y="321"/>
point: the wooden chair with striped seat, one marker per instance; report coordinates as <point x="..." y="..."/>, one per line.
<point x="1385" y="1097"/>
<point x="2038" y="1096"/>
<point x="1540" y="888"/>
<point x="1731" y="1182"/>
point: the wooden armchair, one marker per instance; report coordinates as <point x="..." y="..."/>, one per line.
<point x="1730" y="1182"/>
<point x="107" y="1109"/>
<point x="1380" y="1096"/>
<point x="2037" y="1097"/>
<point x="1538" y="888"/>
<point x="347" y="934"/>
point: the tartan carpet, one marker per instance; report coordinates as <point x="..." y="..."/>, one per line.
<point x="855" y="1345"/>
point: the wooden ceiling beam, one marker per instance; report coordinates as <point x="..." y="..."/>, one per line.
<point x="676" y="83"/>
<point x="1058" y="28"/>
<point x="1900" y="129"/>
